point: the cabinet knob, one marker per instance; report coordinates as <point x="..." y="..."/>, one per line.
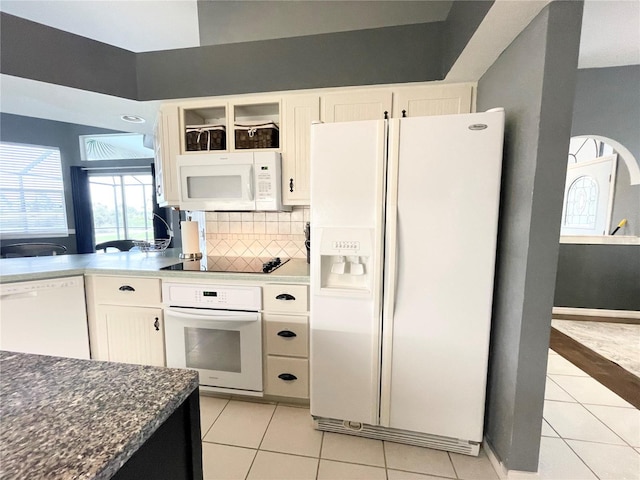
<point x="291" y="185"/>
<point x="287" y="377"/>
<point x="286" y="334"/>
<point x="158" y="190"/>
<point x="285" y="296"/>
<point x="157" y="324"/>
<point x="127" y="288"/>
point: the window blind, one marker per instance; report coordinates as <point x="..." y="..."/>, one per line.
<point x="31" y="191"/>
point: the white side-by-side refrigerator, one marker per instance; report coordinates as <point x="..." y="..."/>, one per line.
<point x="404" y="216"/>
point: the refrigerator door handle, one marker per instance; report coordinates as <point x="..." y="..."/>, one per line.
<point x="390" y="288"/>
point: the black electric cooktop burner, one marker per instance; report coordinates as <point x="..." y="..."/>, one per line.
<point x="231" y="264"/>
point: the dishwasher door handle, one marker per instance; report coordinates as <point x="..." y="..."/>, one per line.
<point x="211" y="315"/>
<point x="18" y="296"/>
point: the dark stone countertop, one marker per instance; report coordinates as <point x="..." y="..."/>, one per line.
<point x="63" y="418"/>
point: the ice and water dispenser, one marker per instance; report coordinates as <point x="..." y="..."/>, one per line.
<point x="346" y="261"/>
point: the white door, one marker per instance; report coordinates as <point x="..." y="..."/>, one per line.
<point x="135" y="334"/>
<point x="443" y="225"/>
<point x="588" y="194"/>
<point x="347" y="172"/>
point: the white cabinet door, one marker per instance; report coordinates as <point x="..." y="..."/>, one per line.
<point x="134" y="334"/>
<point x="299" y="113"/>
<point x="353" y="106"/>
<point x="167" y="146"/>
<point x="432" y="100"/>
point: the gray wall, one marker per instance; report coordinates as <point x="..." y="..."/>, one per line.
<point x="38" y="52"/>
<point x="407" y="53"/>
<point x="608" y="104"/>
<point x="384" y="55"/>
<point x="534" y="81"/>
<point x="598" y="276"/>
<point x="35" y="131"/>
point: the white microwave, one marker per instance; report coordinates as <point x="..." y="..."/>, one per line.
<point x="244" y="181"/>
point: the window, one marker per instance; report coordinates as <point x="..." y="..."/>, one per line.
<point x="122" y="206"/>
<point x="31" y="192"/>
<point x="116" y="146"/>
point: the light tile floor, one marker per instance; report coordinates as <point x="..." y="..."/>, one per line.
<point x="588" y="432"/>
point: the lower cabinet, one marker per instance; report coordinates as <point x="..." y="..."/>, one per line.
<point x="286" y="341"/>
<point x="125" y="319"/>
<point x="134" y="334"/>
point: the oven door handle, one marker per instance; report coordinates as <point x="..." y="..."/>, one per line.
<point x="214" y="316"/>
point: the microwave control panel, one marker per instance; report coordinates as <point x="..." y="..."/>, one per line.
<point x="265" y="180"/>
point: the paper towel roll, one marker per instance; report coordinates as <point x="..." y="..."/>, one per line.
<point x="190" y="242"/>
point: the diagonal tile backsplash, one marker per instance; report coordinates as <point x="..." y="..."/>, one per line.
<point x="257" y="234"/>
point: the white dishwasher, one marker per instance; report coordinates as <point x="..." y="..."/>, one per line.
<point x="47" y="317"/>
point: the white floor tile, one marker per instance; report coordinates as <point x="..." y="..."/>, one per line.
<point x="588" y="390"/>
<point x="291" y="431"/>
<point x="279" y="466"/>
<point x="553" y="392"/>
<point x="400" y="475"/>
<point x="547" y="431"/>
<point x="557" y="462"/>
<point x="221" y="462"/>
<point x="473" y="468"/>
<point x="558" y="365"/>
<point x="609" y="462"/>
<point x="330" y="470"/>
<point x="572" y="420"/>
<point x="352" y="449"/>
<point x="623" y="421"/>
<point x="418" y="459"/>
<point x="210" y="408"/>
<point x="241" y="423"/>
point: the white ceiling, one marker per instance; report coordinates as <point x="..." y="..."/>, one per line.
<point x="610" y="37"/>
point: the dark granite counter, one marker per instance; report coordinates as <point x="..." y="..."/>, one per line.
<point x="65" y="418"/>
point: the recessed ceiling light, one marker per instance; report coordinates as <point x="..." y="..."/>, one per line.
<point x="132" y="118"/>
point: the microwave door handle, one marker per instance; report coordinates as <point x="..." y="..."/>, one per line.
<point x="211" y="315"/>
<point x="250" y="184"/>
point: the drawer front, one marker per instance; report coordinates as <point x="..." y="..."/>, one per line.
<point x="285" y="298"/>
<point x="286" y="335"/>
<point x="281" y="368"/>
<point x="127" y="291"/>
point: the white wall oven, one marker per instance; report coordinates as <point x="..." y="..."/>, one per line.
<point x="217" y="331"/>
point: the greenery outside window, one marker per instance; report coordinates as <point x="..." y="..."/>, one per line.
<point x="122" y="206"/>
<point x="31" y="192"/>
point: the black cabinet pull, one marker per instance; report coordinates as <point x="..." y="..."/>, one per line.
<point x="157" y="324"/>
<point x="291" y="185"/>
<point x="127" y="288"/>
<point x="285" y="296"/>
<point x="287" y="377"/>
<point x="286" y="334"/>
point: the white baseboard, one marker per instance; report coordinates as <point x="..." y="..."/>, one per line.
<point x="502" y="471"/>
<point x="596" y="312"/>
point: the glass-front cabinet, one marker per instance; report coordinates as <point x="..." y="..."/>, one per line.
<point x="250" y="124"/>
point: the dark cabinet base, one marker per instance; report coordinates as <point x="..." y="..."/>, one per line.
<point x="174" y="451"/>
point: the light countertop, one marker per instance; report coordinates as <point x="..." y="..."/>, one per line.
<point x="66" y="418"/>
<point x="295" y="270"/>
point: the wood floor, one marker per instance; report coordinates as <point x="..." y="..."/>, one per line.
<point x="608" y="373"/>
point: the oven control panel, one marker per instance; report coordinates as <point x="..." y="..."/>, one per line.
<point x="212" y="296"/>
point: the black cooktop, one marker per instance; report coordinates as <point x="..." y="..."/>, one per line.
<point x="231" y="264"/>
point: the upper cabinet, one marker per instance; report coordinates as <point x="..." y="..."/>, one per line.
<point x="251" y="123"/>
<point x="300" y="111"/>
<point x="356" y="105"/>
<point x="167" y="146"/>
<point x="282" y="123"/>
<point x="428" y="100"/>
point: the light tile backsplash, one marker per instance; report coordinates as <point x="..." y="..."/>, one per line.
<point x="257" y="234"/>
